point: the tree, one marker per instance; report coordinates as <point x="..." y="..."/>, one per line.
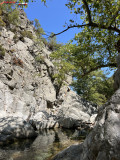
<point x="102" y="14"/>
<point x="95" y="44"/>
<point x="52" y="42"/>
<point x="100" y="32"/>
<point x="95" y="87"/>
<point x="94" y="47"/>
<point x="39" y="30"/>
<point x="9" y="14"/>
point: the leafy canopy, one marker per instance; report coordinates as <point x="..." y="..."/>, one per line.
<point x="95" y="87"/>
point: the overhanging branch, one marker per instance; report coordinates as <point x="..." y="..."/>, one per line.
<point x="73" y="26"/>
<point x="99" y="67"/>
<point x="95" y="25"/>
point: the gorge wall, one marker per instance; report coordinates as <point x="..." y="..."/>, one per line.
<point x="27" y="88"/>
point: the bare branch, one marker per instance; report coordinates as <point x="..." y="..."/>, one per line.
<point x="88" y="11"/>
<point x="73" y="26"/>
<point x="95" y="25"/>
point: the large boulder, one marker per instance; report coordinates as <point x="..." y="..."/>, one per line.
<point x="74" y="111"/>
<point x="42" y="120"/>
<point x="15" y="128"/>
<point x="103" y="142"/>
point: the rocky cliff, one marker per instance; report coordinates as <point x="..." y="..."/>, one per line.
<point x="28" y="93"/>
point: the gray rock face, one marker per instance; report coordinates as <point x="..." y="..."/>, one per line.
<point x="74" y="112"/>
<point x="27" y="88"/>
<point x="43" y="120"/>
<point x="103" y="142"/>
<point x="15" y="127"/>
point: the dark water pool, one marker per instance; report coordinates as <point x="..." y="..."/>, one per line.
<point x="47" y="144"/>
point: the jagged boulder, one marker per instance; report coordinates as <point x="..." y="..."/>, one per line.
<point x="42" y="120"/>
<point x="103" y="142"/>
<point x="75" y="112"/>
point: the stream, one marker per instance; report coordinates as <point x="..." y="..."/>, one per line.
<point x="44" y="147"/>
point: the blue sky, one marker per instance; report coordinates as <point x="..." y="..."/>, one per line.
<point x="53" y="17"/>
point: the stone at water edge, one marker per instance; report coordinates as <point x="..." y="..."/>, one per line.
<point x="15" y="127"/>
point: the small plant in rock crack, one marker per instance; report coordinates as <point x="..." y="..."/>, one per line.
<point x="2" y="23"/>
<point x="16" y="38"/>
<point x="18" y="62"/>
<point x="2" y="52"/>
<point x="27" y="34"/>
<point x="39" y="58"/>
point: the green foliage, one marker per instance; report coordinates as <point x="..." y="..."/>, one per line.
<point x="2" y="52"/>
<point x="2" y="23"/>
<point x="9" y="13"/>
<point x="95" y="87"/>
<point x="16" y="38"/>
<point x="63" y="68"/>
<point x="52" y="43"/>
<point x="39" y="58"/>
<point x="39" y="33"/>
<point x="14" y="30"/>
<point x="39" y="30"/>
<point x="13" y="17"/>
<point x="101" y="12"/>
<point x="7" y="7"/>
<point x="93" y="48"/>
<point x="89" y="54"/>
<point x="27" y="34"/>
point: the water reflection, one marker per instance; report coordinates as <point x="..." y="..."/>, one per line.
<point x="44" y="147"/>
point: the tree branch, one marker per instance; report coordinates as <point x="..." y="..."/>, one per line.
<point x="98" y="67"/>
<point x="73" y="26"/>
<point x="88" y="11"/>
<point x="95" y="25"/>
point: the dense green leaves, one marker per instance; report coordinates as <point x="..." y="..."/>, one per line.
<point x="39" y="30"/>
<point x="52" y="43"/>
<point x="95" y="87"/>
